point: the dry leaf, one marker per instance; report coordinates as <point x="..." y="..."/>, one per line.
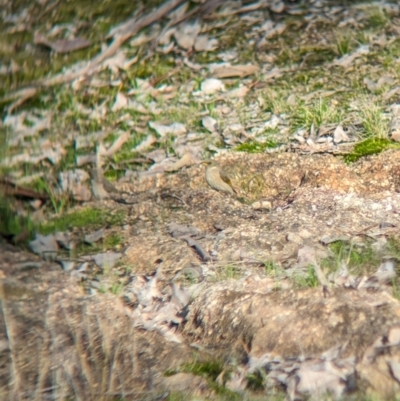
<point x="163" y="130"/>
<point x="146" y="143"/>
<point x="121" y="101"/>
<point x="45" y="246"/>
<point x="339" y="135"/>
<point x="240" y="92"/>
<point x="63" y="45"/>
<point x="186" y="34"/>
<point x="117" y="145"/>
<point x="210" y="123"/>
<point x="348" y="59"/>
<point x="118" y="62"/>
<point x="106" y="260"/>
<point x="203" y="43"/>
<point x="185" y="161"/>
<point x="210" y="86"/>
<point x="88" y="140"/>
<point x="157" y="155"/>
<point x="227" y="71"/>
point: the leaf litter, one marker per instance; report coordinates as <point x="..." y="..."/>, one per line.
<point x="187" y="95"/>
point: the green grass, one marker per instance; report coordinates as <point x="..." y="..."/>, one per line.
<point x="319" y="112"/>
<point x="210" y="370"/>
<point x="256" y="381"/>
<point x="228" y="272"/>
<point x="83" y="218"/>
<point x="308" y="280"/>
<point x="271" y="268"/>
<point x="110" y="241"/>
<point x="11" y="223"/>
<point x="344" y="43"/>
<point x="376" y="17"/>
<point x="372" y="119"/>
<point x="359" y="260"/>
<point x="255" y="147"/>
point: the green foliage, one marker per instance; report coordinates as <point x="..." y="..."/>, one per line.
<point x="58" y="202"/>
<point x="117" y="288"/>
<point x="228" y="272"/>
<point x="127" y="153"/>
<point x="210" y="370"/>
<point x="111" y="241"/>
<point x="396" y="289"/>
<point x="373" y="121"/>
<point x="308" y="280"/>
<point x="359" y="260"/>
<point x="88" y="217"/>
<point x="368" y="147"/>
<point x="274" y="101"/>
<point x="318" y="113"/>
<point x="394" y="247"/>
<point x="344" y="43"/>
<point x="256" y="381"/>
<point x="271" y="268"/>
<point x="255" y="147"/>
<point x="232" y="272"/>
<point x="377" y="17"/>
<point x="11" y="223"/>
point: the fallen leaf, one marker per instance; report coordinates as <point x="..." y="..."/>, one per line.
<point x="94" y="237"/>
<point x="339" y="135"/>
<point x="45" y="246"/>
<point x="228" y="71"/>
<point x="118" y="62"/>
<point x="85" y="159"/>
<point x="163" y="130"/>
<point x="120" y="102"/>
<point x="146" y="143"/>
<point x="186" y="34"/>
<point x="210" y="124"/>
<point x="63" y="45"/>
<point x="107" y="260"/>
<point x="184" y="161"/>
<point x="117" y="144"/>
<point x="348" y="59"/>
<point x="203" y="43"/>
<point x="210" y="86"/>
<point x="89" y="140"/>
<point x="240" y="92"/>
<point x="157" y="155"/>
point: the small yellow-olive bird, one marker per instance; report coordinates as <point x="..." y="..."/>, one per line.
<point x="217" y="179"/>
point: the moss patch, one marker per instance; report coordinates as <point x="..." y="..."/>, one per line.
<point x="369" y="147"/>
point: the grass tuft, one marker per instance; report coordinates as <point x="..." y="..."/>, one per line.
<point x="87" y="217"/>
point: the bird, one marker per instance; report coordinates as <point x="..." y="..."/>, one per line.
<point x="217" y="179"/>
<point x="101" y="187"/>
